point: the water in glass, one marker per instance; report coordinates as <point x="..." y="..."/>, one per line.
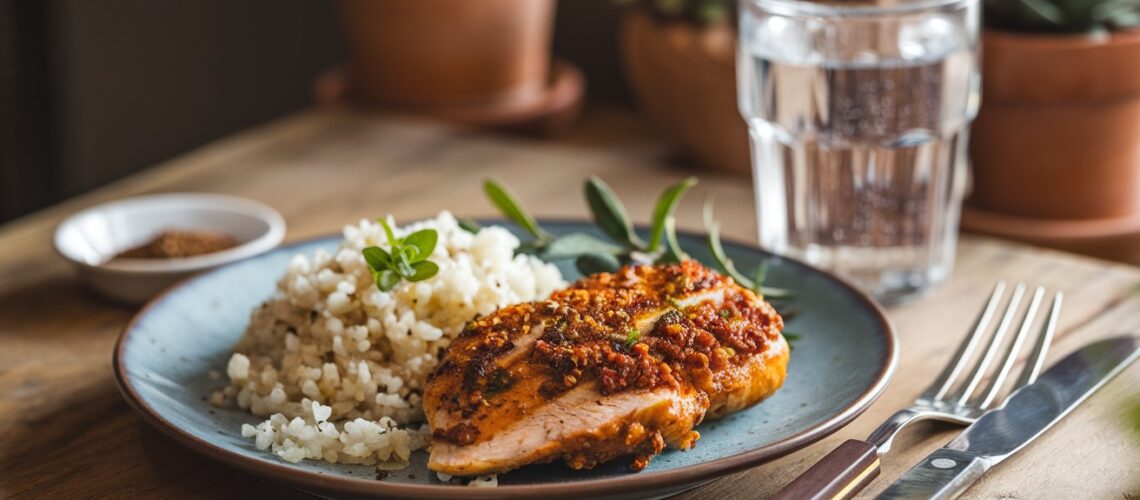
<point x="858" y="118"/>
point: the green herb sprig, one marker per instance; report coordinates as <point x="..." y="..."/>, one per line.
<point x="754" y="283"/>
<point x="1096" y="17"/>
<point x="593" y="255"/>
<point x="632" y="337"/>
<point x="405" y="259"/>
<point x="590" y="253"/>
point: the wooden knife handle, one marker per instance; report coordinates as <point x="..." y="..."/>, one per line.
<point x="840" y="474"/>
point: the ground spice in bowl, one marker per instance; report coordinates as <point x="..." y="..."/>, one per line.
<point x="172" y="244"/>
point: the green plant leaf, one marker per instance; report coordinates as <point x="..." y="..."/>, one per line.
<point x="1045" y="10"/>
<point x="632" y="337"/>
<point x="423" y="270"/>
<point x="712" y="12"/>
<point x="791" y="336"/>
<point x="424" y="242"/>
<point x="403" y="266"/>
<point x="610" y="215"/>
<point x="775" y="293"/>
<point x="574" y="245"/>
<point x="729" y="267"/>
<point x="1092" y="17"/>
<point x="666" y="205"/>
<point x="386" y="280"/>
<point x="761" y="273"/>
<point x="469" y="225"/>
<point x="406" y="257"/>
<point x="717" y="249"/>
<point x="377" y="258"/>
<point x="512" y="209"/>
<point x="597" y="263"/>
<point x="1116" y="14"/>
<point x="532" y="247"/>
<point x="673" y="251"/>
<point x="392" y="241"/>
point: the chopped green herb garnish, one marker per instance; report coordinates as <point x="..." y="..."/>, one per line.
<point x="405" y="259"/>
<point x="725" y="313"/>
<point x="632" y="337"/>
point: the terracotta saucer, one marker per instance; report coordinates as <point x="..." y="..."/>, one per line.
<point x="548" y="113"/>
<point x="1115" y="238"/>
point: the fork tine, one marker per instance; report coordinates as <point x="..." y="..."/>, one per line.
<point x="1011" y="354"/>
<point x="983" y="365"/>
<point x="945" y="380"/>
<point x="1044" y="339"/>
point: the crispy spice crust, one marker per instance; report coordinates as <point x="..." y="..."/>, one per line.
<point x="587" y="333"/>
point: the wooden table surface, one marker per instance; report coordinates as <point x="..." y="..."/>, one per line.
<point x="66" y="432"/>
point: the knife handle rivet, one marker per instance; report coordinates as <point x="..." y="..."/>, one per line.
<point x="943" y="463"/>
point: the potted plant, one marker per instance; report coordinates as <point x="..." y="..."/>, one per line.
<point x="680" y="60"/>
<point x="1057" y="138"/>
<point x="1056" y="145"/>
<point x="441" y="52"/>
<point x="477" y="62"/>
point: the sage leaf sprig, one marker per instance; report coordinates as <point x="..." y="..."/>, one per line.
<point x="664" y="224"/>
<point x="513" y="210"/>
<point x="405" y="259"/>
<point x="663" y="211"/>
<point x="610" y="215"/>
<point x="590" y="253"/>
<point x="593" y="255"/>
<point x="469" y="225"/>
<point x="574" y="245"/>
<point x="716" y="248"/>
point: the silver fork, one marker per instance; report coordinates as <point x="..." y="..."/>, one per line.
<point x="851" y="466"/>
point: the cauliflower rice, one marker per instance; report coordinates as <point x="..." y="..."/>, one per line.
<point x="339" y="367"/>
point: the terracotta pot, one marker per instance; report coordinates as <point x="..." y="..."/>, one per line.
<point x="551" y="115"/>
<point x="684" y="80"/>
<point x="425" y="53"/>
<point x="1058" y="132"/>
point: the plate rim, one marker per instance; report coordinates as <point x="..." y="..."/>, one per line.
<point x="693" y="474"/>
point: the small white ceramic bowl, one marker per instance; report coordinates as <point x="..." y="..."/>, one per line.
<point x="90" y="238"/>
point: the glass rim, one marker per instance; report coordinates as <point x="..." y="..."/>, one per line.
<point x="801" y="8"/>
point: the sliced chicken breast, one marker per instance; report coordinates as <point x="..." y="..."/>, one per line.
<point x="619" y="364"/>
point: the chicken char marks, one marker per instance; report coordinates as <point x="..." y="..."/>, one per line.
<point x="616" y="365"/>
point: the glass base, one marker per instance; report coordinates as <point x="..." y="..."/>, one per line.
<point x="888" y="281"/>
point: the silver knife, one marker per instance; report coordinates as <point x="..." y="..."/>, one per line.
<point x="1027" y="414"/>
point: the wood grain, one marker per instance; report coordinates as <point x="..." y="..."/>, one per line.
<point x="65" y="431"/>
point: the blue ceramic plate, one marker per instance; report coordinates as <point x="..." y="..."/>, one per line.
<point x="840" y="364"/>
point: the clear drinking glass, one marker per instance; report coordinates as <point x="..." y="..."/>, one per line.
<point x="859" y="113"/>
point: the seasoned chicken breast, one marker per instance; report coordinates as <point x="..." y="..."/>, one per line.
<point x="619" y="364"/>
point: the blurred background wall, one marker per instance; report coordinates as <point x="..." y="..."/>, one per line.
<point x="92" y="91"/>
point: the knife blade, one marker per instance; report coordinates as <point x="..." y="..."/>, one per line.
<point x="1026" y="415"/>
